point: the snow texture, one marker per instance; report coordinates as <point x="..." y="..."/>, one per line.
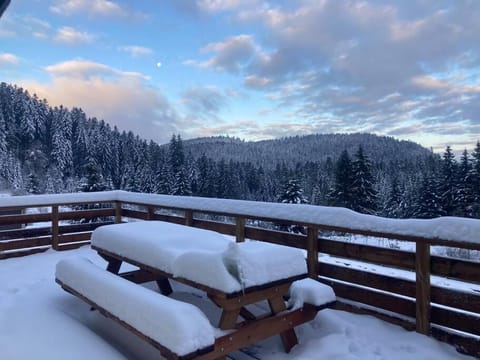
<point x="309" y="291"/>
<point x="203" y="256"/>
<point x="179" y="326"/>
<point x="38" y="320"/>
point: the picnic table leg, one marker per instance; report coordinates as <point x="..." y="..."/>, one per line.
<point x="164" y="286"/>
<point x="114" y="265"/>
<point x="229" y="318"/>
<point x="289" y="338"/>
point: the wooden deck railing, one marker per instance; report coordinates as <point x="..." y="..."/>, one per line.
<point x="414" y="300"/>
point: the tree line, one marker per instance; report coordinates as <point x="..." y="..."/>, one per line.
<point x="46" y="149"/>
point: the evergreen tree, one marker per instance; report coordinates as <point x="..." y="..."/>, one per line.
<point x="292" y="193"/>
<point x="206" y="177"/>
<point x="429" y="203"/>
<point x="176" y="154"/>
<point x="341" y="194"/>
<point x="448" y="184"/>
<point x="181" y="185"/>
<point x="464" y="194"/>
<point x="3" y="138"/>
<point x="93" y="178"/>
<point x="32" y="185"/>
<point x="61" y="141"/>
<point x="364" y="196"/>
<point x="476" y="180"/>
<point x="393" y="206"/>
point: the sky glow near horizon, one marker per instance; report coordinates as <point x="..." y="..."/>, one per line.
<point x="254" y="69"/>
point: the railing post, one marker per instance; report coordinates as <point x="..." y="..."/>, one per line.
<point x="118" y="212"/>
<point x="312" y="251"/>
<point x="55" y="239"/>
<point x="422" y="267"/>
<point x="188" y="217"/>
<point x="150" y="212"/>
<point x="240" y="229"/>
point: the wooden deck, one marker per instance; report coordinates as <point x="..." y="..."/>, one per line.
<point x="445" y="313"/>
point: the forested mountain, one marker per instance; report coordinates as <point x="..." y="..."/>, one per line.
<point x="314" y="148"/>
<point x="52" y="150"/>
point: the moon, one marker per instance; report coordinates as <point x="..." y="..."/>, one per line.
<point x="159" y="64"/>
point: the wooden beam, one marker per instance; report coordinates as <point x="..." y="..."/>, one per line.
<point x="259" y="330"/>
<point x="422" y="267"/>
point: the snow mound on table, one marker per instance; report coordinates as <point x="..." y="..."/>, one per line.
<point x="156" y="243"/>
<point x="179" y="326"/>
<point x="256" y="263"/>
<point x="206" y="268"/>
<point x="309" y="291"/>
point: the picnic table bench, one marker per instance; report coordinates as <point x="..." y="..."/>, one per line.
<point x="233" y="275"/>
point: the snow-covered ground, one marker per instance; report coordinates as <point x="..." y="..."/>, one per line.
<point x="38" y="320"/>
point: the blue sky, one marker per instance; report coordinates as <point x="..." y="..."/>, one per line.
<point x="254" y="69"/>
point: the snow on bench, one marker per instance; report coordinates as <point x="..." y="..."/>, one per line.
<point x="309" y="291"/>
<point x="203" y="256"/>
<point x="178" y="327"/>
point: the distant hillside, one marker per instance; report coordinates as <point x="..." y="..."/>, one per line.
<point x="54" y="150"/>
<point x="309" y="148"/>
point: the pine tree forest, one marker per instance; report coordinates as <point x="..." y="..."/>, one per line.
<point x="46" y="149"/>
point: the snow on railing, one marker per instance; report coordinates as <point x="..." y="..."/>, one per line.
<point x="436" y="231"/>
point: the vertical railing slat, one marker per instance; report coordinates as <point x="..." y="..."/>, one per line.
<point x="240" y="229"/>
<point x="188" y="217"/>
<point x="118" y="212"/>
<point x="55" y="244"/>
<point x="312" y="251"/>
<point x="422" y="267"/>
<point x="150" y="212"/>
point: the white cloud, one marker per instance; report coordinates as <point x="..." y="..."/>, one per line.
<point x="92" y="7"/>
<point x="8" y="59"/>
<point x="121" y="98"/>
<point x="136" y="51"/>
<point x="71" y="36"/>
<point x="369" y="63"/>
<point x="225" y="5"/>
<point x="231" y="54"/>
<point x="204" y="102"/>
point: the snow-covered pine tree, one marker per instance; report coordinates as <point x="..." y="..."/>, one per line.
<point x="448" y="183"/>
<point x="393" y="205"/>
<point x="341" y="194"/>
<point x="32" y="185"/>
<point x="476" y="180"/>
<point x="464" y="192"/>
<point x="206" y="176"/>
<point x="292" y="193"/>
<point x="428" y="204"/>
<point x="364" y="195"/>
<point x="93" y="180"/>
<point x="181" y="184"/>
<point x="61" y="142"/>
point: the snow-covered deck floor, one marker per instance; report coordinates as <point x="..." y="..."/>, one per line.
<point x="38" y="320"/>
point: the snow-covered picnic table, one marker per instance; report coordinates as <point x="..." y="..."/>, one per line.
<point x="233" y="275"/>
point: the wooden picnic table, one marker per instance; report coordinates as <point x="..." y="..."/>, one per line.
<point x="128" y="243"/>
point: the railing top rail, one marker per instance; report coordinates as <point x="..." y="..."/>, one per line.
<point x="447" y="231"/>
